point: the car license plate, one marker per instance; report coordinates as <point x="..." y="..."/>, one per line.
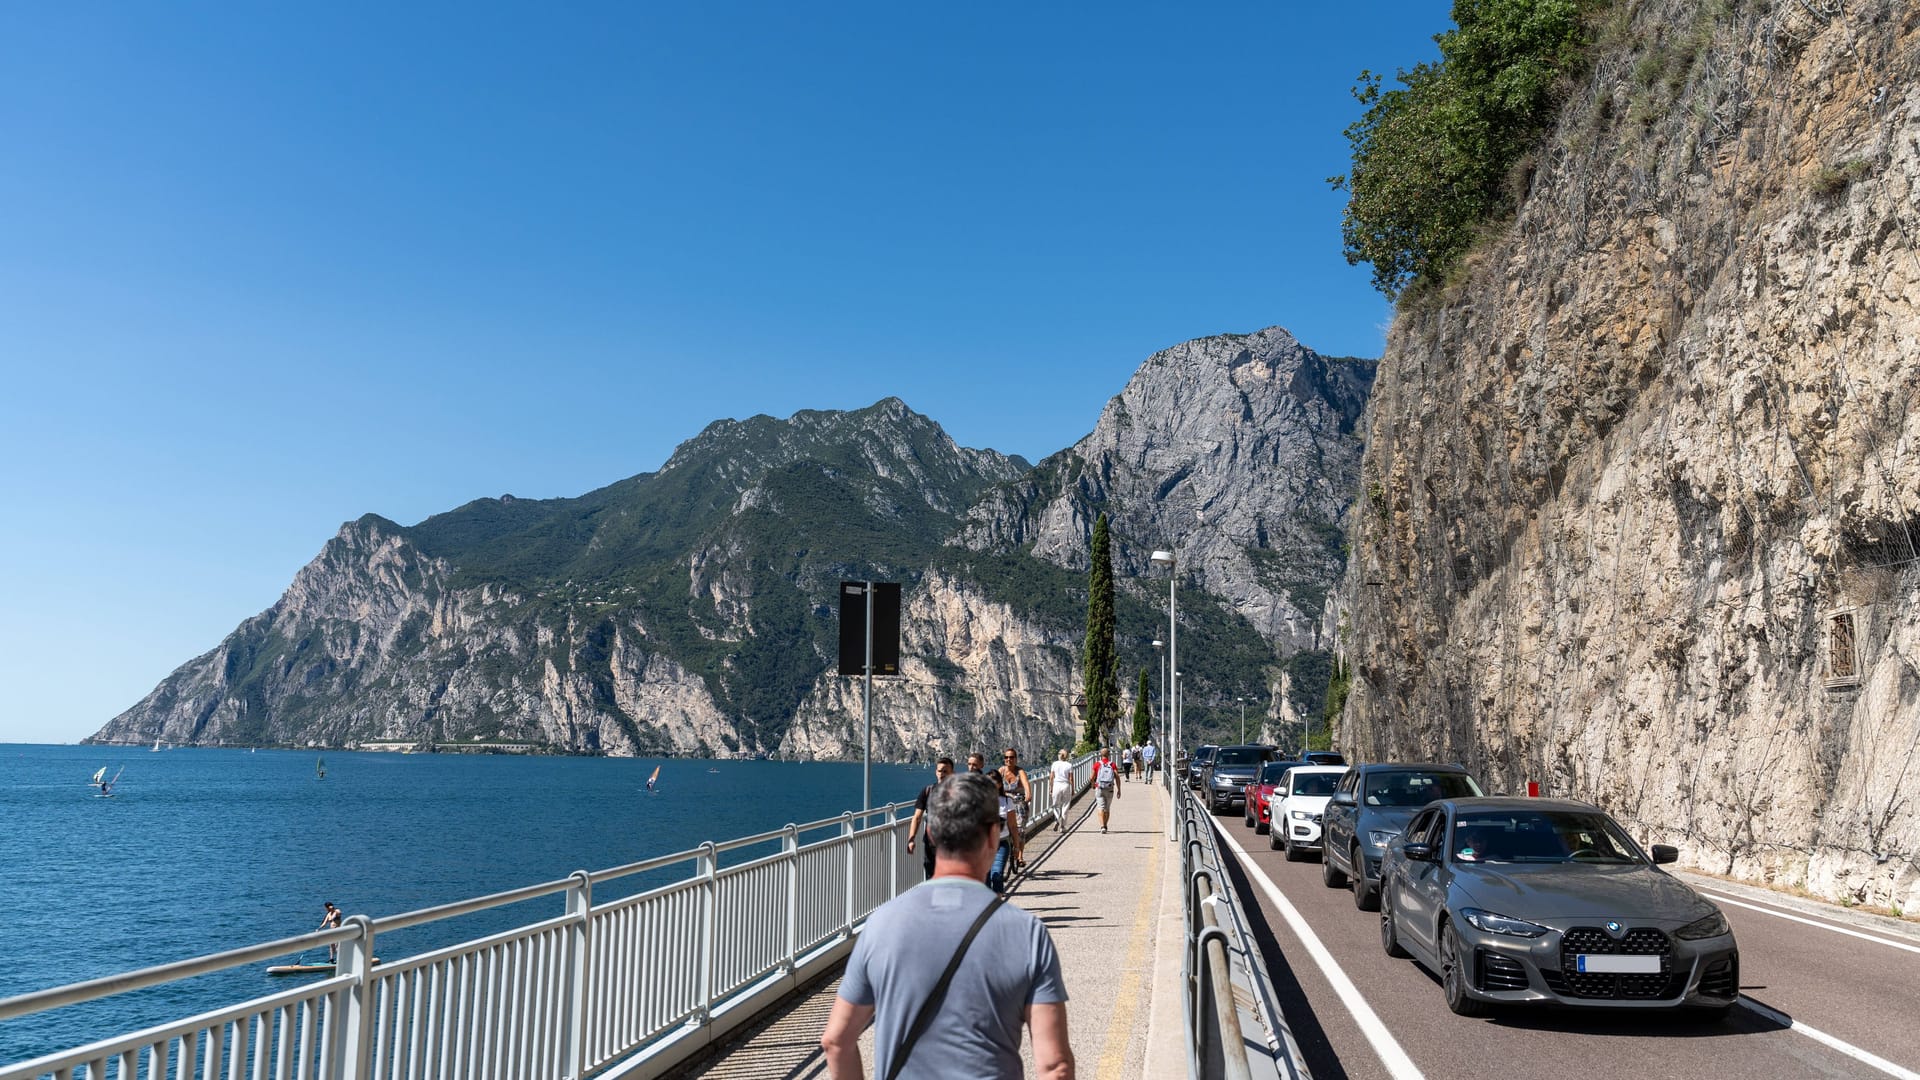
<point x="1618" y="965"/>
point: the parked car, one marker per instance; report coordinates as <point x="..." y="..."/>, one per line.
<point x="1580" y="914"/>
<point x="1224" y="779"/>
<point x="1297" y="805"/>
<point x="1322" y="757"/>
<point x="1369" y="808"/>
<point x="1202" y="756"/>
<point x="1259" y="788"/>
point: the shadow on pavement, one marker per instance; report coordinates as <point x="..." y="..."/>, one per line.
<point x="1316" y="1051"/>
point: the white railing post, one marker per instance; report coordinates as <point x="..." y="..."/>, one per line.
<point x="893" y="853"/>
<point x="846" y="840"/>
<point x="790" y="843"/>
<point x="573" y="1014"/>
<point x="709" y="865"/>
<point x="354" y="1045"/>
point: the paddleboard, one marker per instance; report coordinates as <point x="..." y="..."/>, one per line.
<point x="305" y="969"/>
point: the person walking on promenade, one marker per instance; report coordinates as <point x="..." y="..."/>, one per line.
<point x="1106" y="781"/>
<point x="946" y="973"/>
<point x="1147" y="755"/>
<point x="917" y="829"/>
<point x="1062" y="770"/>
<point x="1019" y="794"/>
<point x="997" y="874"/>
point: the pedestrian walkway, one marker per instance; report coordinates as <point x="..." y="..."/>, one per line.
<point x="1112" y="905"/>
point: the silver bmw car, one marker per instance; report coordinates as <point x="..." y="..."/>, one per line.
<point x="1543" y="900"/>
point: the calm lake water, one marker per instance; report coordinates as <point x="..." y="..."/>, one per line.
<point x="204" y="850"/>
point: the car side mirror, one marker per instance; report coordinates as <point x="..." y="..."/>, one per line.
<point x="1343" y="798"/>
<point x="1665" y="853"/>
<point x="1418" y="851"/>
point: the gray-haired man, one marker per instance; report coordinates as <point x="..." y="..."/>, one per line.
<point x="1009" y="977"/>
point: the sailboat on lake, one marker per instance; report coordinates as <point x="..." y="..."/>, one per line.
<point x="655" y="776"/>
<point x="320" y="768"/>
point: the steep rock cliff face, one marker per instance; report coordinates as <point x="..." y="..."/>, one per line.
<point x="1238" y="452"/>
<point x="1641" y="491"/>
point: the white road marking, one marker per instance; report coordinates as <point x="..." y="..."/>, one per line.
<point x="1812" y="922"/>
<point x="1822" y="1037"/>
<point x="1398" y="1064"/>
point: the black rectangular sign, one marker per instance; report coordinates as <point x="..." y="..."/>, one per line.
<point x="853" y="627"/>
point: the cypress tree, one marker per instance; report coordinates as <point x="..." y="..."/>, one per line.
<point x="1142" y="717"/>
<point x="1098" y="675"/>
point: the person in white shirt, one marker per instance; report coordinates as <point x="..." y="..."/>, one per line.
<point x="1062" y="770"/>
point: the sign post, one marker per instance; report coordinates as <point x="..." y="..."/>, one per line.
<point x="869" y="645"/>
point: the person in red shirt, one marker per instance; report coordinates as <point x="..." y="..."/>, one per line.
<point x="1106" y="781"/>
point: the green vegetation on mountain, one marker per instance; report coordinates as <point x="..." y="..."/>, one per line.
<point x="1441" y="155"/>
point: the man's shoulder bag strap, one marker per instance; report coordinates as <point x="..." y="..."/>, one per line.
<point x="932" y="1005"/>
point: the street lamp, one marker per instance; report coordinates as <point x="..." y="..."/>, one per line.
<point x="1243" y="720"/>
<point x="1165" y="558"/>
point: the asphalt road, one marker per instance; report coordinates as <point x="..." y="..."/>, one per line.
<point x="1861" y="994"/>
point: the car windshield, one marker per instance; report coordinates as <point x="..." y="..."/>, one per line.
<point x="1239" y="755"/>
<point x="1272" y="771"/>
<point x="1417" y="787"/>
<point x="1315" y="783"/>
<point x="1540" y="836"/>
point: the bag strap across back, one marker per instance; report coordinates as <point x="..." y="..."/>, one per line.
<point x="932" y="1005"/>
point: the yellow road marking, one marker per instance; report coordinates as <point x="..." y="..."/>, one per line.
<point x="1113" y="1052"/>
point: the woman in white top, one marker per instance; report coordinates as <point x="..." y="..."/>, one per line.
<point x="1062" y="780"/>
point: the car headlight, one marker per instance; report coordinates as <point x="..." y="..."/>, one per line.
<point x="1301" y="815"/>
<point x="1712" y="925"/>
<point x="1381" y="837"/>
<point x="1500" y="924"/>
<point x="1223" y="781"/>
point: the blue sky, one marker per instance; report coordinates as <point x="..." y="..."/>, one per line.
<point x="267" y="269"/>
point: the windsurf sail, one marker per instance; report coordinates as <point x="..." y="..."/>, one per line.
<point x="320" y="769"/>
<point x="99" y="777"/>
<point x="655" y="776"/>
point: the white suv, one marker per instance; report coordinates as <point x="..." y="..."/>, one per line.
<point x="1297" y="803"/>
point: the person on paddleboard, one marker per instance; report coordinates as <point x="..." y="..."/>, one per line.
<point x="327" y="922"/>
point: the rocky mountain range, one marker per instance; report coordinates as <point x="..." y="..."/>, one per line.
<point x="692" y="610"/>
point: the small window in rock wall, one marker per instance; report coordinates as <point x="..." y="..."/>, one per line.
<point x="1843" y="648"/>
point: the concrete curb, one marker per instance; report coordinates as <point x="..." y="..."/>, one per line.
<point x="1859" y="920"/>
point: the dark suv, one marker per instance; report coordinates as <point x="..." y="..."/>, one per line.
<point x="1224" y="779"/>
<point x="1370" y="807"/>
<point x="1202" y="757"/>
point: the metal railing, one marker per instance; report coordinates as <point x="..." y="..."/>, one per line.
<point x="625" y="988"/>
<point x="1232" y="1034"/>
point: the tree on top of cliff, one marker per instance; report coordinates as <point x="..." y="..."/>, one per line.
<point x="1097" y="674"/>
<point x="1431" y="158"/>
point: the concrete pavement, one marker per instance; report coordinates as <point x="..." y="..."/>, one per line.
<point x="1112" y="905"/>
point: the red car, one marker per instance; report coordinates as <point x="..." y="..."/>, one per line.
<point x="1257" y="793"/>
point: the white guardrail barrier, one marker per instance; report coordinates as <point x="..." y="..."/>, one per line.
<point x="627" y="988"/>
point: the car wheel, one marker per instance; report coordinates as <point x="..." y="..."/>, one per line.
<point x="1365" y="897"/>
<point x="1453" y="981"/>
<point x="1331" y="878"/>
<point x="1247" y="816"/>
<point x="1389" y="937"/>
<point x="1275" y="842"/>
<point x="1294" y="854"/>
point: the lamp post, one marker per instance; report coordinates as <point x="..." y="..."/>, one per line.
<point x="1243" y="720"/>
<point x="1165" y="558"/>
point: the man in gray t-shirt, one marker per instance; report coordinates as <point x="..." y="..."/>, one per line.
<point x="1010" y="976"/>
